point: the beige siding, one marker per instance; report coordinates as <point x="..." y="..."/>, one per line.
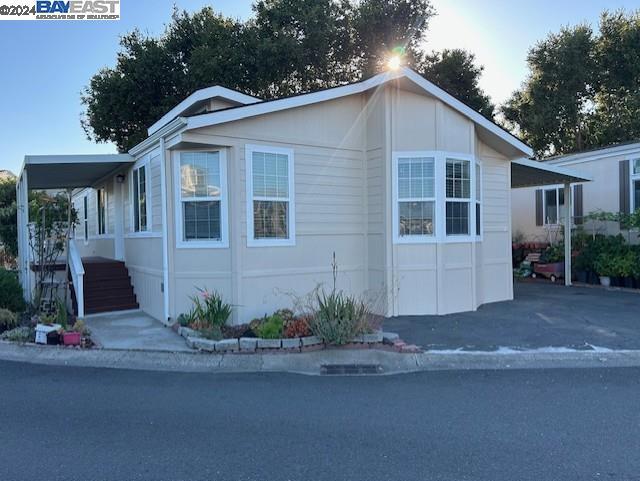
<point x="602" y="194"/>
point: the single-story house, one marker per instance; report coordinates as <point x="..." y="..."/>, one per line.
<point x="615" y="170"/>
<point x="408" y="186"/>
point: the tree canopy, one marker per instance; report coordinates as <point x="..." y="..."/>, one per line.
<point x="583" y="88"/>
<point x="286" y="47"/>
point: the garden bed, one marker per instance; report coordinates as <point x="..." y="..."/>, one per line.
<point x="248" y="345"/>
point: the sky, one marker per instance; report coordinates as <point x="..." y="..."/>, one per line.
<point x="45" y="65"/>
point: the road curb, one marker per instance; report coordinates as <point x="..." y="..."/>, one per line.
<point x="310" y="362"/>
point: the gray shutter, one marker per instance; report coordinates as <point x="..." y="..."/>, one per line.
<point x="578" y="205"/>
<point x="539" y="212"/>
<point x="625" y="202"/>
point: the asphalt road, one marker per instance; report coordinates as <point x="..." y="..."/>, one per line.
<point x="99" y="424"/>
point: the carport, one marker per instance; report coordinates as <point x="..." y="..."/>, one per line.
<point x="60" y="172"/>
<point x="533" y="173"/>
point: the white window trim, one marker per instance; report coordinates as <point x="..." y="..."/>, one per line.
<point x="224" y="196"/>
<point x="560" y="222"/>
<point x="634" y="203"/>
<point x="251" y="241"/>
<point x="479" y="199"/>
<point x="414" y="239"/>
<point x="440" y="235"/>
<point x="85" y="218"/>
<point x="106" y="214"/>
<point x="145" y="161"/>
<point x="471" y="235"/>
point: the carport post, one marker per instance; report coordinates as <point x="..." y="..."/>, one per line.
<point x="568" y="209"/>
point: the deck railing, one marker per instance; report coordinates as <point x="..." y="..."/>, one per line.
<point x="77" y="275"/>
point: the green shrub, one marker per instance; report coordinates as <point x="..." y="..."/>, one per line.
<point x="213" y="333"/>
<point x="271" y="328"/>
<point x="61" y="315"/>
<point x="339" y="318"/>
<point x="606" y="265"/>
<point x="19" y="334"/>
<point x="210" y="310"/>
<point x="8" y="320"/>
<point x="11" y="295"/>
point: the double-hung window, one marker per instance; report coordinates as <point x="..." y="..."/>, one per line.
<point x="202" y="199"/>
<point x="416" y="197"/>
<point x="101" y="198"/>
<point x="270" y="196"/>
<point x="437" y="197"/>
<point x="478" y="197"/>
<point x="553" y="205"/>
<point x="635" y="184"/>
<point x="458" y="196"/>
<point x="140" y="198"/>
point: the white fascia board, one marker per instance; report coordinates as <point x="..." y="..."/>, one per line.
<point x="288" y="103"/>
<point x="76" y="159"/>
<point x="151" y="141"/>
<point x="581" y="157"/>
<point x="544" y="166"/>
<point x="198" y="96"/>
<point x="306" y="99"/>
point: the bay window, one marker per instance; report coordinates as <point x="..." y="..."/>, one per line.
<point x="458" y="196"/>
<point x="201" y="199"/>
<point x="416" y="196"/>
<point x="436" y="197"/>
<point x="270" y="194"/>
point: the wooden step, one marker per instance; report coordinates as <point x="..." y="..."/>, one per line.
<point x="107" y="287"/>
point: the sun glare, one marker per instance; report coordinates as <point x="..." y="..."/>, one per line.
<point x="394" y="62"/>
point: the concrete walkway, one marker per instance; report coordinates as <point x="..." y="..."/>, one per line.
<point x="133" y="330"/>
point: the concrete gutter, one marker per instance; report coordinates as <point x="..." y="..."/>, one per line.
<point x="310" y="362"/>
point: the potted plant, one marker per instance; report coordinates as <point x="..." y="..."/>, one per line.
<point x="606" y="266"/>
<point x="74" y="336"/>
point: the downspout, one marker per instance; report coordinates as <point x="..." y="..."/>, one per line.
<point x="165" y="232"/>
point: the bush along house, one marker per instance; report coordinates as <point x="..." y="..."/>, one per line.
<point x="407" y="185"/>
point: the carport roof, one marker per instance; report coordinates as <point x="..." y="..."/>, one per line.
<point x="71" y="171"/>
<point x="532" y="173"/>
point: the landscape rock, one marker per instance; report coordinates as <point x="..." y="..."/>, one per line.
<point x="269" y="343"/>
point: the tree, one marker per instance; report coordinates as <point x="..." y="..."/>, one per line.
<point x="456" y="72"/>
<point x="287" y="47"/>
<point x="583" y="89"/>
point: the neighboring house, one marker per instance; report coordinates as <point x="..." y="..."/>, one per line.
<point x="538" y="213"/>
<point x="407" y="185"/>
<point x="6" y="175"/>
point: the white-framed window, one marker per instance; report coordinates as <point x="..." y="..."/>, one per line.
<point x="635" y="184"/>
<point x="414" y="179"/>
<point x="270" y="196"/>
<point x="140" y="195"/>
<point x="101" y="209"/>
<point x="437" y="197"/>
<point x="458" y="183"/>
<point x="553" y="205"/>
<point x="85" y="217"/>
<point x="201" y="199"/>
<point x="478" y="199"/>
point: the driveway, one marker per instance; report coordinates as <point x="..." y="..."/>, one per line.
<point x="133" y="330"/>
<point x="542" y="315"/>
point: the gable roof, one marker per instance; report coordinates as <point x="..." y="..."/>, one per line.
<point x="265" y="107"/>
<point x="199" y="96"/>
<point x="623" y="148"/>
